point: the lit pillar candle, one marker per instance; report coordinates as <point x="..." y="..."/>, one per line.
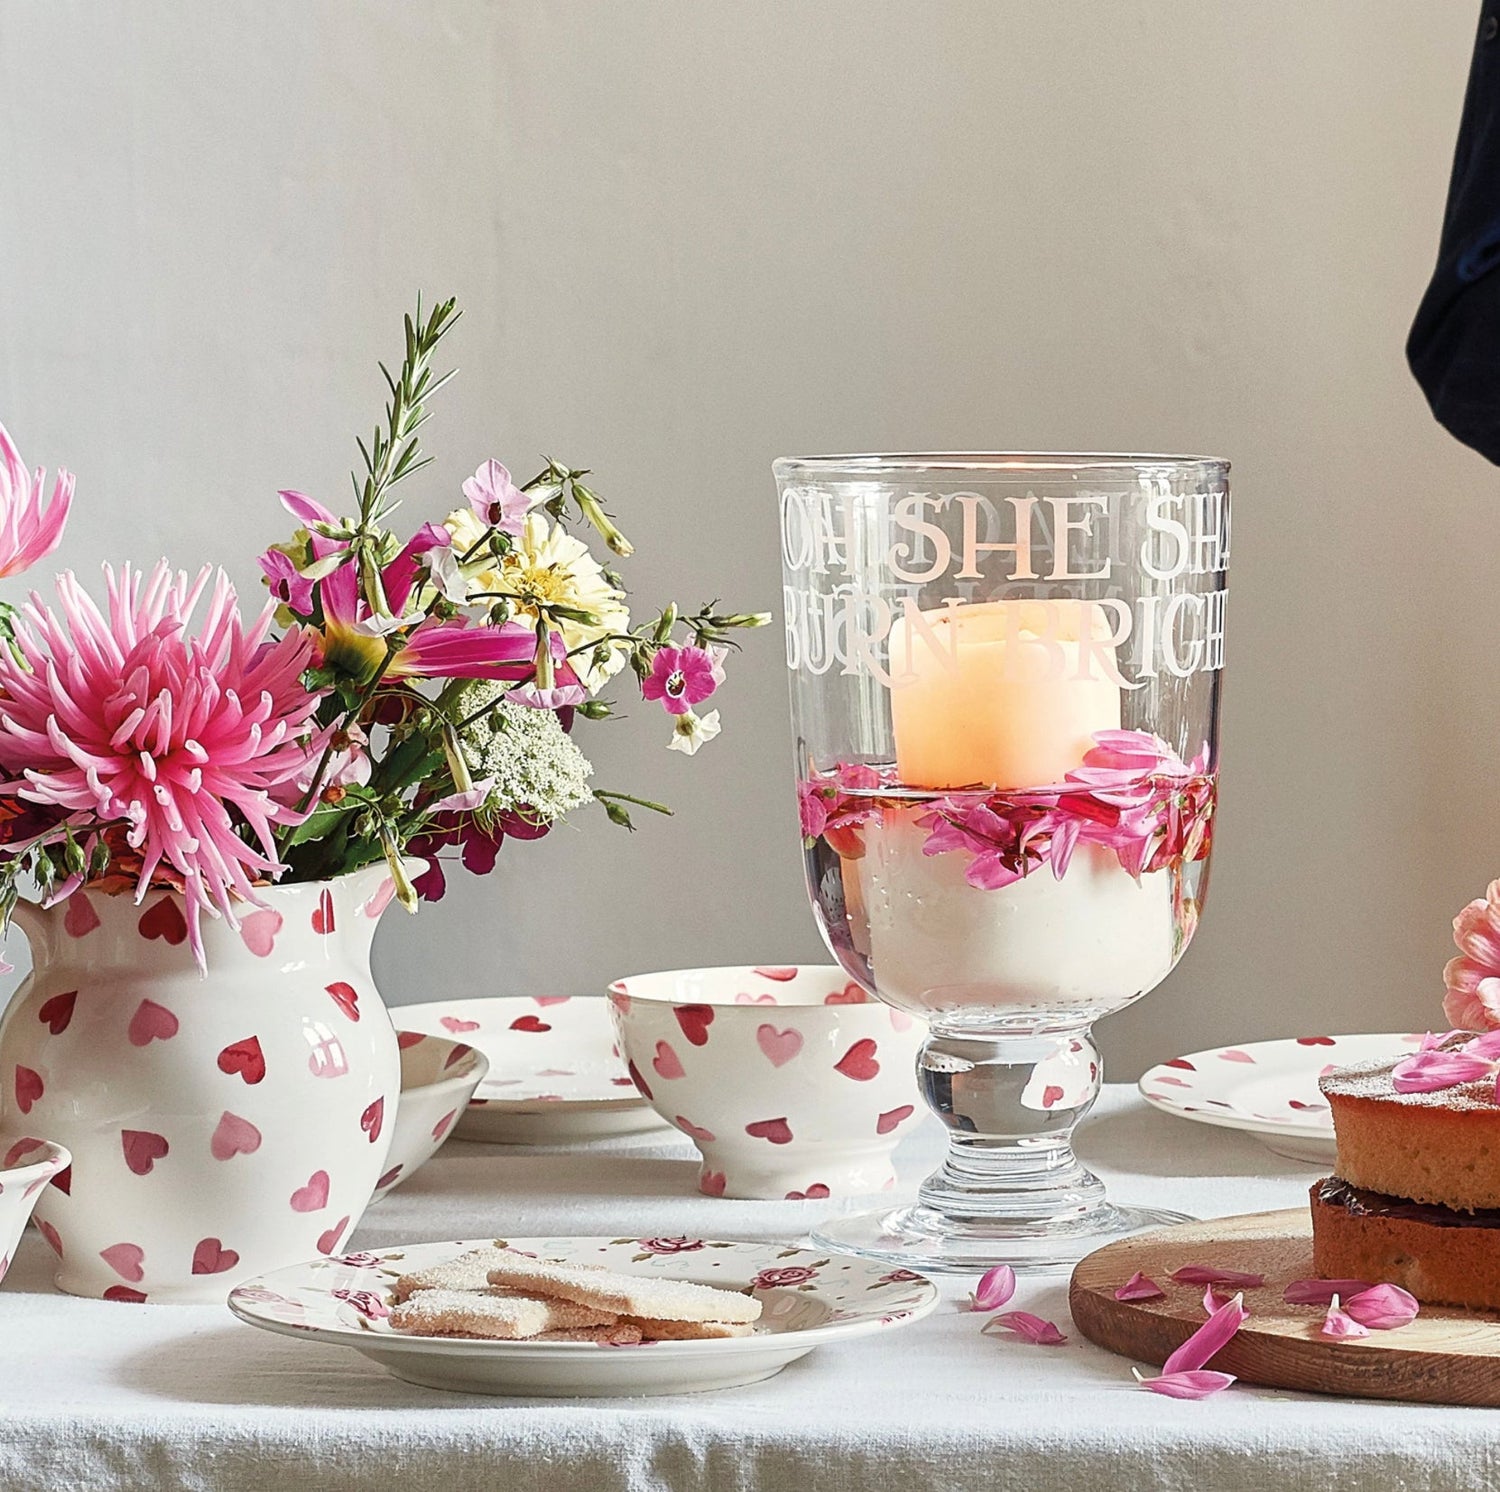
<point x="1006" y="694"/>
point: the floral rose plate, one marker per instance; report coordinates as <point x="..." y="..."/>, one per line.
<point x="555" y="1075"/>
<point x="809" y="1299"/>
<point x="1267" y="1088"/>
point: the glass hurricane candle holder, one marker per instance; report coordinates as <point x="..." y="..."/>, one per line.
<point x="1005" y="675"/>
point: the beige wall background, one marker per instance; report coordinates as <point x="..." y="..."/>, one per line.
<point x="690" y="235"/>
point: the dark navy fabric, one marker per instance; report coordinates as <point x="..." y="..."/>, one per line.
<point x="1454" y="346"/>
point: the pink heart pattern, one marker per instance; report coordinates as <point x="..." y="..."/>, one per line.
<point x="695" y="1021"/>
<point x="56" y="1014"/>
<point x="143" y="1148"/>
<point x="128" y="1260"/>
<point x="233" y="1136"/>
<point x="329" y="1241"/>
<point x="211" y="1257"/>
<point x="80" y="919"/>
<point x="777" y="1131"/>
<point x="666" y="1061"/>
<point x="372" y="1119"/>
<point x="258" y="931"/>
<point x="779" y="1046"/>
<point x="893" y="1117"/>
<point x="29" y="1088"/>
<point x="456" y="1027"/>
<point x="712" y="1183"/>
<point x="859" y="1061"/>
<point x="151" y="1022"/>
<point x="314" y="1196"/>
<point x="697" y="1131"/>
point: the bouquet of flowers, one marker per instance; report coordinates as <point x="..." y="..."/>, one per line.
<point x="400" y="697"/>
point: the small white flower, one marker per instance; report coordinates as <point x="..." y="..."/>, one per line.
<point x="447" y="578"/>
<point x="691" y="731"/>
<point x="383" y="626"/>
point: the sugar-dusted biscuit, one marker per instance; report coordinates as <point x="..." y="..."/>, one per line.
<point x="502" y="1314"/>
<point x="639" y="1296"/>
<point x="686" y="1331"/>
<point x="465" y="1272"/>
<point x="622" y="1334"/>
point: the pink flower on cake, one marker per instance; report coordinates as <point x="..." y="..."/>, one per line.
<point x="682" y="677"/>
<point x="28" y="531"/>
<point x="123" y="718"/>
<point x="1473" y="979"/>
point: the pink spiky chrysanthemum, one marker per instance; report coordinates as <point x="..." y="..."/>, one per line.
<point x="126" y="719"/>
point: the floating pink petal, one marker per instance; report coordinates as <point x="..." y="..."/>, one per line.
<point x="1206" y="1274"/>
<point x="1321" y="1292"/>
<point x="1431" y="1072"/>
<point x="1383" y="1307"/>
<point x="1199" y="1384"/>
<point x="995" y="1287"/>
<point x="1339" y="1323"/>
<point x="1199" y="1348"/>
<point x="1140" y="1287"/>
<point x="1024" y="1324"/>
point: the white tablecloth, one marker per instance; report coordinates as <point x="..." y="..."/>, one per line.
<point x="105" y="1395"/>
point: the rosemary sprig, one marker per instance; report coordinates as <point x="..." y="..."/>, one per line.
<point x="393" y="452"/>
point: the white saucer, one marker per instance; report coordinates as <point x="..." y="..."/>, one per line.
<point x="810" y="1299"/>
<point x="555" y="1075"/>
<point x="1268" y="1088"/>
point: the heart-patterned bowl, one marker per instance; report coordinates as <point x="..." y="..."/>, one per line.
<point x="790" y="1080"/>
<point x="26" y="1166"/>
<point x="438" y="1078"/>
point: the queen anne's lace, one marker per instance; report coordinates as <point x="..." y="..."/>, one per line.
<point x="533" y="761"/>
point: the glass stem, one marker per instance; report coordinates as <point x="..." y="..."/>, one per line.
<point x="1011" y="1102"/>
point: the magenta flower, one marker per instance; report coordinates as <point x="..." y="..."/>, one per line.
<point x="683" y="677"/>
<point x="286" y="582"/>
<point x="1473" y="979"/>
<point x="671" y="1245"/>
<point x="28" y="531"/>
<point x="124" y="718"/>
<point x="783" y="1278"/>
<point x="496" y="500"/>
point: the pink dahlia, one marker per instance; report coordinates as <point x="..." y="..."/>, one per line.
<point x="683" y="677"/>
<point x="28" y="531"/>
<point x="1473" y="979"/>
<point x="121" y="718"/>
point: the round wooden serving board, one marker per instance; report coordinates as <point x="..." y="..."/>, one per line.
<point x="1446" y="1356"/>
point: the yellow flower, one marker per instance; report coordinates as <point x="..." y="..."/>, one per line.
<point x="548" y="565"/>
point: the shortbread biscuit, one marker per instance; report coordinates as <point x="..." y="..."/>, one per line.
<point x="637" y="1296"/>
<point x="686" y="1331"/>
<point x="465" y="1272"/>
<point x="502" y="1314"/>
<point x="623" y="1334"/>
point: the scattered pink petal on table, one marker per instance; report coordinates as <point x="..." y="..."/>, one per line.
<point x="1024" y="1324"/>
<point x="1383" y="1307"/>
<point x="1320" y="1292"/>
<point x="1338" y="1323"/>
<point x="995" y="1288"/>
<point x="1198" y="1384"/>
<point x="1140" y="1287"/>
<point x="1205" y="1274"/>
<point x="1213" y="1298"/>
<point x="1199" y="1348"/>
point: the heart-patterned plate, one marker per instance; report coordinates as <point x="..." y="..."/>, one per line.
<point x="808" y="1299"/>
<point x="1268" y="1088"/>
<point x="555" y="1075"/>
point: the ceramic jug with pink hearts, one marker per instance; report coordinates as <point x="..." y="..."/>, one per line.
<point x="220" y="1124"/>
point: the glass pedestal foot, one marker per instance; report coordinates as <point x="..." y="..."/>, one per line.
<point x="930" y="1242"/>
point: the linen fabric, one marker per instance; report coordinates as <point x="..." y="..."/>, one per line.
<point x="105" y="1395"/>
